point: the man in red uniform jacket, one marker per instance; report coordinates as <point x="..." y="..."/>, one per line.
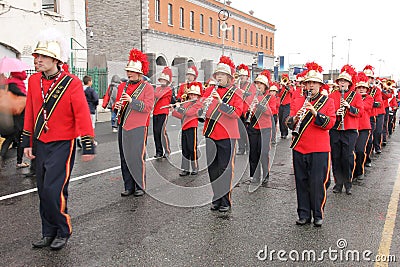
<point x="56" y="113"/>
<point x="221" y="131"/>
<point x="310" y="119"/>
<point x="162" y="98"/>
<point x="135" y="100"/>
<point x="348" y="107"/>
<point x="285" y="95"/>
<point x="191" y="76"/>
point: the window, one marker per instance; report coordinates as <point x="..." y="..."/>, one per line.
<point x="262" y="41"/>
<point x="170" y="14"/>
<point x="226" y="32"/>
<point x="240" y="35"/>
<point x="256" y="39"/>
<point x="210" y="25"/>
<point x="245" y="36"/>
<point x="49" y="5"/>
<point x="201" y="23"/>
<point x="233" y="32"/>
<point x="251" y="37"/>
<point x="219" y="29"/>
<point x="270" y="43"/>
<point x="157" y="11"/>
<point x="181" y="17"/>
<point x="266" y="42"/>
<point x="191" y="20"/>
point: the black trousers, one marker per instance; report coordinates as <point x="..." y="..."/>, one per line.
<point x="361" y="152"/>
<point x="242" y="141"/>
<point x="220" y="162"/>
<point x="311" y="173"/>
<point x="260" y="145"/>
<point x="385" y="125"/>
<point x="274" y="129"/>
<point x="54" y="163"/>
<point x="392" y="122"/>
<point x="160" y="135"/>
<point x="370" y="143"/>
<point x="132" y="152"/>
<point x="284" y="111"/>
<point x="343" y="157"/>
<point x="378" y="132"/>
<point x="189" y="149"/>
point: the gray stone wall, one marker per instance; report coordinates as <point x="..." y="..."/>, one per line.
<point x="116" y="27"/>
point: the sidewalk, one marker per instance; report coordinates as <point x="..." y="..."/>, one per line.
<point x="103" y="114"/>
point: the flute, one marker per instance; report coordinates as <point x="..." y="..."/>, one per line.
<point x="173" y="105"/>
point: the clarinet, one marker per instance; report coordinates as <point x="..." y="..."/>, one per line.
<point x="119" y="110"/>
<point x="207" y="103"/>
<point x="252" y="106"/>
<point x="295" y="132"/>
<point x="342" y="117"/>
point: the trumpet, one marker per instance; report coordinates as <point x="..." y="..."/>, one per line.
<point x="207" y="103"/>
<point x="252" y="106"/>
<point x="284" y="80"/>
<point x="295" y="132"/>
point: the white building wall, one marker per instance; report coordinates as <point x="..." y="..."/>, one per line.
<point x="19" y="28"/>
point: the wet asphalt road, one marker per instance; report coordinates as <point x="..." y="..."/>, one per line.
<point x="109" y="230"/>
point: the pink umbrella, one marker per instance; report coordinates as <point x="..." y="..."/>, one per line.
<point x="8" y="64"/>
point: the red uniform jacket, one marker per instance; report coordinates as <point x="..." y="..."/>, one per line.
<point x="162" y="97"/>
<point x="188" y="113"/>
<point x="315" y="137"/>
<point x="248" y="92"/>
<point x="266" y="115"/>
<point x="70" y="117"/>
<point x="352" y="115"/>
<point x="226" y="126"/>
<point x="285" y="95"/>
<point x="386" y="95"/>
<point x="297" y="92"/>
<point x="139" y="109"/>
<point x="181" y="90"/>
<point x="364" y="122"/>
<point x="378" y="103"/>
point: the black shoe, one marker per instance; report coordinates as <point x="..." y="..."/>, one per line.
<point x="303" y="221"/>
<point x="44" y="242"/>
<point x="284" y="136"/>
<point x="224" y="208"/>
<point x="214" y="207"/>
<point x="369" y="164"/>
<point x="184" y="173"/>
<point x="348" y="191"/>
<point x="240" y="152"/>
<point x="266" y="179"/>
<point x="194" y="172"/>
<point x="384" y="143"/>
<point x="158" y="156"/>
<point x="318" y="222"/>
<point x="336" y="190"/>
<point x="126" y="193"/>
<point x="58" y="243"/>
<point x="378" y="151"/>
<point x="138" y="193"/>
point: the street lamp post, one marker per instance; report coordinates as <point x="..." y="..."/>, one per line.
<point x="334" y="36"/>
<point x="348" y="51"/>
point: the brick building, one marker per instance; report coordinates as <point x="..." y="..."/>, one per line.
<point x="175" y="33"/>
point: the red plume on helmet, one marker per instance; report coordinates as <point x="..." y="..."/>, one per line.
<point x="226" y="60"/>
<point x="166" y="74"/>
<point x="350" y="70"/>
<point x="285" y="75"/>
<point x="243" y="69"/>
<point x="368" y="67"/>
<point x="313" y="66"/>
<point x="361" y="77"/>
<point x="65" y="67"/>
<point x="137" y="55"/>
<point x="193" y="70"/>
<point x="267" y="74"/>
<point x="325" y="87"/>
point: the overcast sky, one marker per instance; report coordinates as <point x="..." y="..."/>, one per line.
<point x="307" y="27"/>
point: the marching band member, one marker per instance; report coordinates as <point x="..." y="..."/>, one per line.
<point x="298" y="88"/>
<point x="393" y="105"/>
<point x="364" y="126"/>
<point x="387" y="94"/>
<point x="248" y="88"/>
<point x="310" y="119"/>
<point x="187" y="112"/>
<point x="377" y="96"/>
<point x="259" y="128"/>
<point x="285" y="95"/>
<point x="273" y="90"/>
<point x="348" y="107"/>
<point x="380" y="117"/>
<point x="135" y="100"/>
<point x="162" y="97"/>
<point x="191" y="76"/>
<point x="56" y="113"/>
<point x="222" y="107"/>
